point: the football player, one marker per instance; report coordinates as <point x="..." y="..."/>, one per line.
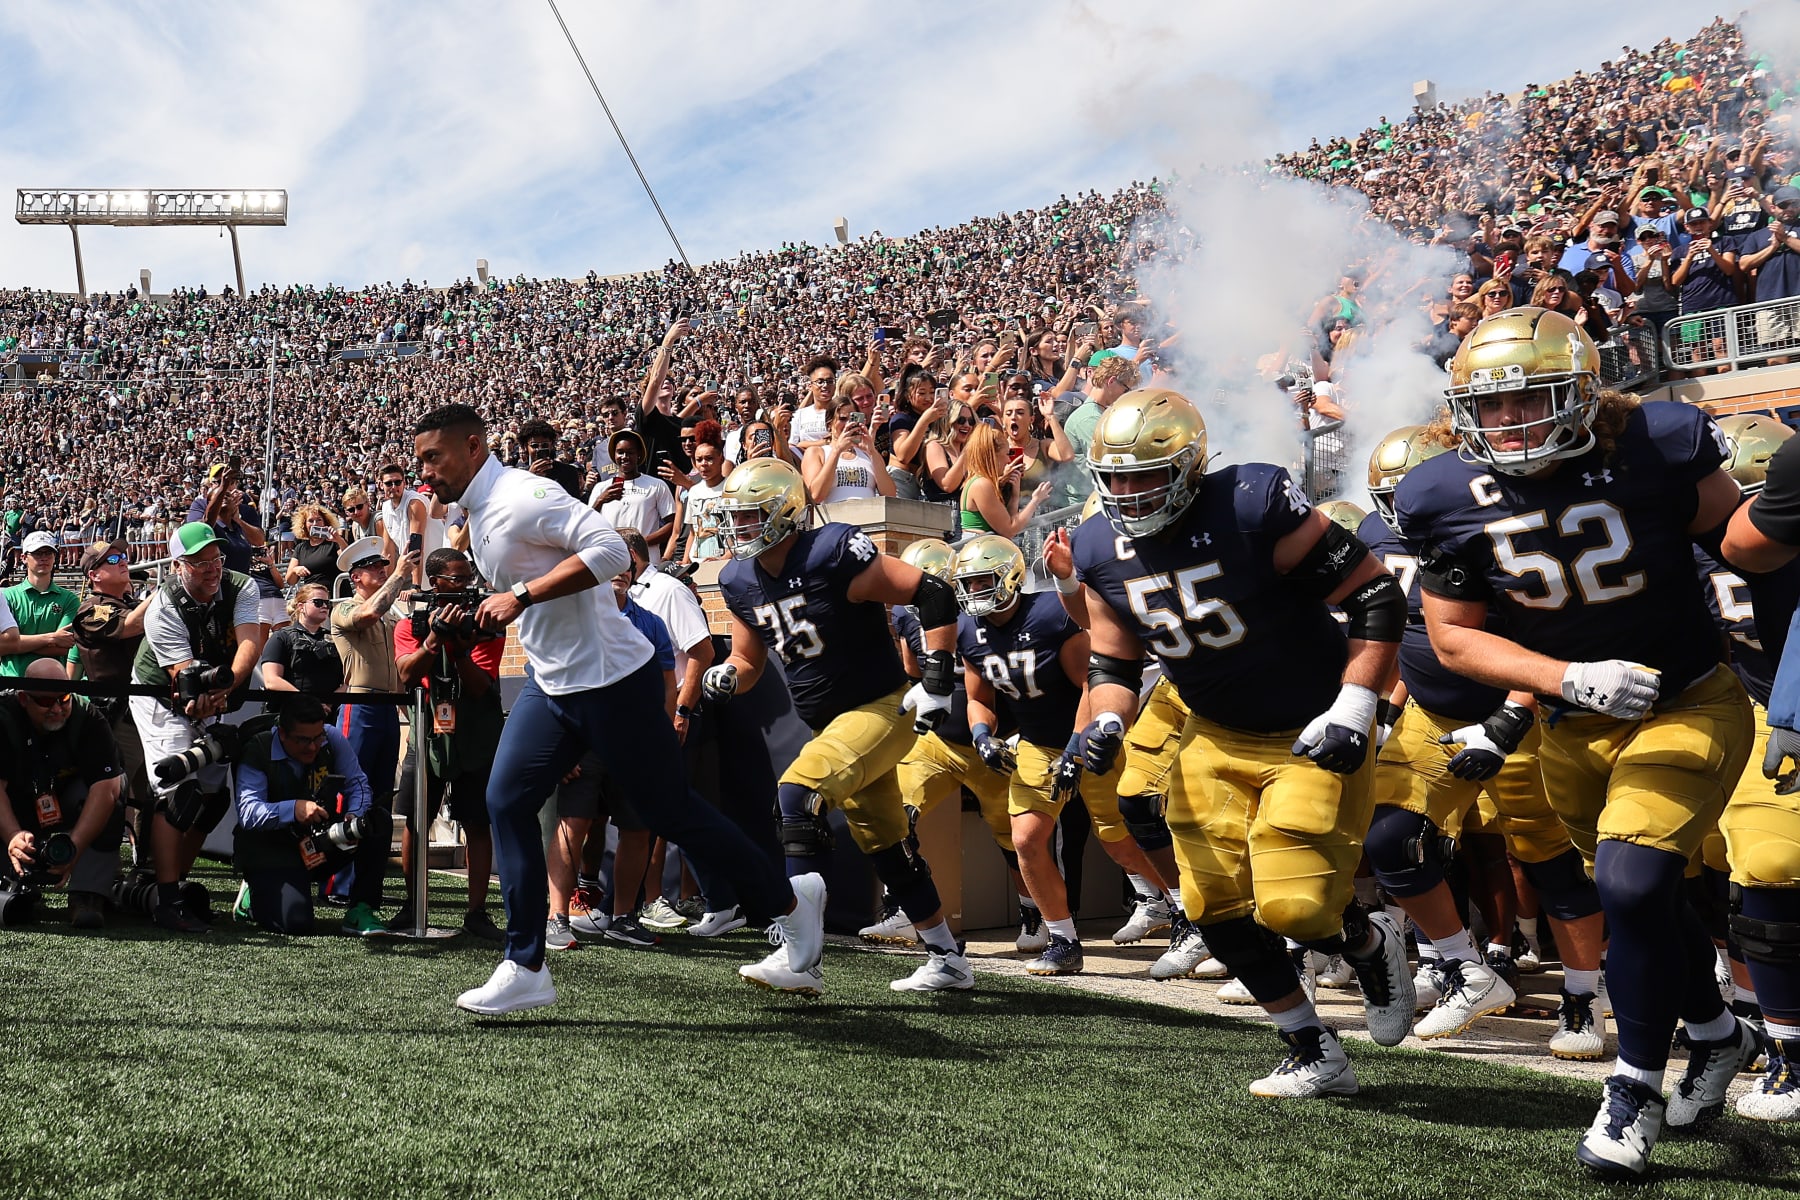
<point x="1571" y="511"/>
<point x="817" y="598"/>
<point x="1225" y="576"/>
<point x="1023" y="655"/>
<point x="1453" y="740"/>
<point x="942" y="762"/>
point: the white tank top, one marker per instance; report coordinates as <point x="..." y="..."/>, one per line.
<point x="396" y="526"/>
<point x="855" y="478"/>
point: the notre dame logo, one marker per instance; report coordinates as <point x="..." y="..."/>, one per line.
<point x="862" y="547"/>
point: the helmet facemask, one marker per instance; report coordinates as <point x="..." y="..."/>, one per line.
<point x="983" y="593"/>
<point x="1157" y="492"/>
<point x="753" y="528"/>
<point x="1559" y="407"/>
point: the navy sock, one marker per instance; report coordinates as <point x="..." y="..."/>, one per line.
<point x="1777" y="984"/>
<point x="1653" y="928"/>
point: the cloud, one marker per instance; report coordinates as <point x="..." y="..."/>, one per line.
<point x="414" y="137"/>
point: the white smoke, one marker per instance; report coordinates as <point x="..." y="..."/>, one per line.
<point x="1771" y="31"/>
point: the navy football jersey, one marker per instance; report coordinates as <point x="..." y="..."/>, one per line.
<point x="1246" y="647"/>
<point x="1589" y="562"/>
<point x="1733" y="610"/>
<point x="838" y="655"/>
<point x="955" y="727"/>
<point x="1022" y="660"/>
<point x="1436" y="687"/>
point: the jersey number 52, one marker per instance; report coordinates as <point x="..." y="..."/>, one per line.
<point x="1586" y="566"/>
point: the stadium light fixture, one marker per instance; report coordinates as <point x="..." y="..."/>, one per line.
<point x="226" y="207"/>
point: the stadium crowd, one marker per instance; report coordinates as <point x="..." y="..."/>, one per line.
<point x="703" y="413"/>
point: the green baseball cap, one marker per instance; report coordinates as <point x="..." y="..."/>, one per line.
<point x="192" y="538"/>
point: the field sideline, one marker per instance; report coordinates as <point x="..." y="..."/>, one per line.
<point x="245" y="1065"/>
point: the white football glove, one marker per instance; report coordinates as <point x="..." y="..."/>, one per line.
<point x="928" y="710"/>
<point x="1338" y="738"/>
<point x="1614" y="687"/>
<point x="719" y="684"/>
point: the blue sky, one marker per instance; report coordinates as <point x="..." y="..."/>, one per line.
<point x="415" y="137"/>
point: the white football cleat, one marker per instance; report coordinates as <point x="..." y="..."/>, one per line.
<point x="1387" y="986"/>
<point x="717" y="924"/>
<point x="1234" y="992"/>
<point x="894" y="929"/>
<point x="1699" y="1096"/>
<point x="1149" y="915"/>
<point x="1471" y="991"/>
<point x="511" y="988"/>
<point x="804" y="928"/>
<point x="775" y="974"/>
<point x="1625" y="1129"/>
<point x="1331" y="970"/>
<point x="1033" y="936"/>
<point x="1428" y="984"/>
<point x="1316" y="1065"/>
<point x="1580" y="1029"/>
<point x="1777" y="1096"/>
<point x="1187" y="950"/>
<point x="942" y="971"/>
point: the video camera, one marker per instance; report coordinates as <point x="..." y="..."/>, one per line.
<point x="218" y="744"/>
<point x="468" y="599"/>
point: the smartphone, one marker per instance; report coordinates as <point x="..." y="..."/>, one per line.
<point x="1008" y="340"/>
<point x="942" y="395"/>
<point x="1014" y="453"/>
<point x="1084" y="329"/>
<point x="415" y="543"/>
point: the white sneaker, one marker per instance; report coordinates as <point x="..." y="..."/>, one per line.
<point x="661" y="916"/>
<point x="805" y="926"/>
<point x="716" y="924"/>
<point x="1529" y="960"/>
<point x="774" y="972"/>
<point x="894" y="929"/>
<point x="1625" y="1129"/>
<point x="1033" y="936"/>
<point x="1580" y="1029"/>
<point x="511" y="988"/>
<point x="1471" y="991"/>
<point x="1777" y="1096"/>
<point x="1148" y="916"/>
<point x="942" y="971"/>
<point x="1331" y="969"/>
<point x="1387" y="986"/>
<point x="1187" y="950"/>
<point x="589" y="923"/>
<point x="1428" y="984"/>
<point x="1234" y="992"/>
<point x="1316" y="1065"/>
<point x="1700" y="1094"/>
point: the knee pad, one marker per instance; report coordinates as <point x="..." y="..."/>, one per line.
<point x="907" y="878"/>
<point x="1564" y="889"/>
<point x="1144" y="821"/>
<point x="186" y="807"/>
<point x="912" y="828"/>
<point x="1772" y="934"/>
<point x="1407" y="851"/>
<point x="1255" y="954"/>
<point x="1767" y="860"/>
<point x="804" y="831"/>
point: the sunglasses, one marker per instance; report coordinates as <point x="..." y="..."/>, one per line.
<point x="46" y="701"/>
<point x="318" y="602"/>
<point x="113" y="560"/>
<point x="963" y="423"/>
<point x="357" y="508"/>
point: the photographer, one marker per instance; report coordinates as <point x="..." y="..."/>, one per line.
<point x="202" y="637"/>
<point x="109" y="630"/>
<point x="59" y="798"/>
<point x="461" y="670"/>
<point x="303" y="813"/>
<point x="540" y="438"/>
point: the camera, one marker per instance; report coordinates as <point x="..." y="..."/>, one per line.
<point x="345" y="833"/>
<point x="55" y="851"/>
<point x="429" y="619"/>
<point x="216" y="745"/>
<point x="195" y="681"/>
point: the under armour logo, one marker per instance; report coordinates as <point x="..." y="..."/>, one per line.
<point x="796" y="582"/>
<point x="1199" y="540"/>
<point x="1591" y="478"/>
<point x="1025" y="637"/>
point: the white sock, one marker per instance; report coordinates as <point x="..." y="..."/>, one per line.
<point x="1064" y="928"/>
<point x="938" y="937"/>
<point x="1577" y="982"/>
<point x="1175" y="897"/>
<point x="1430" y="953"/>
<point x="1144" y="888"/>
<point x="1747" y="995"/>
<point x="1528" y="929"/>
<point x="1781" y="1029"/>
<point x="1027" y="902"/>
<point x="1650" y="1079"/>
<point x="1716" y="1030"/>
<point x="1724" y="957"/>
<point x="1502" y="951"/>
<point x="1301" y="1016"/>
<point x="1461" y="946"/>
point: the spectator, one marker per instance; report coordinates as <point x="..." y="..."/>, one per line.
<point x="405" y="515"/>
<point x="1493" y="297"/>
<point x="811" y="422"/>
<point x="301" y="656"/>
<point x="109" y="631"/>
<point x="1108" y="379"/>
<point x="222" y="505"/>
<point x="694" y="512"/>
<point x="945" y="465"/>
<point x="1658" y="299"/>
<point x="1770" y="253"/>
<point x="633" y="499"/>
<point x="917" y="407"/>
<point x="539" y="439"/>
<point x="1464" y="316"/>
<point x="1032" y="435"/>
<point x="848" y="467"/>
<point x="359" y="515"/>
<point x="59" y="777"/>
<point x="362" y="627"/>
<point x="42" y="609"/>
<point x="304" y="812"/>
<point x="318" y="540"/>
<point x="990" y="495"/>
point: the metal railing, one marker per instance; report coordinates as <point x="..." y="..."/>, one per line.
<point x="1744" y="336"/>
<point x="1324" y="454"/>
<point x="1631" y="358"/>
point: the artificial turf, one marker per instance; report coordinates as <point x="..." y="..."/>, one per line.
<point x="139" y="1064"/>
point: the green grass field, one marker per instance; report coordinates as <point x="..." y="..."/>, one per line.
<point x="244" y="1065"/>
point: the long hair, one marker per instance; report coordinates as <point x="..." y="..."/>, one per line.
<point x="1609" y="422"/>
<point x="985" y="455"/>
<point x="303" y="519"/>
<point x="302" y="594"/>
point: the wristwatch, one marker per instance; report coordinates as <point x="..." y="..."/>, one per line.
<point x="522" y="594"/>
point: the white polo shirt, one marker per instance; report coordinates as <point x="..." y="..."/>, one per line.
<point x="679" y="609"/>
<point x="520" y="526"/>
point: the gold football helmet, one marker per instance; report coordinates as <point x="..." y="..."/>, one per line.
<point x="1091" y="507"/>
<point x="931" y="555"/>
<point x="1342" y="512"/>
<point x="1395" y="455"/>
<point x="1548" y="366"/>
<point x="1754" y="438"/>
<point x="1147" y="455"/>
<point x="762" y="502"/>
<point x="988" y="573"/>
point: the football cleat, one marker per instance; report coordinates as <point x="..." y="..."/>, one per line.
<point x="1624" y="1130"/>
<point x="942" y="971"/>
<point x="1331" y="970"/>
<point x="1580" y="1029"/>
<point x="1149" y="915"/>
<point x="775" y="973"/>
<point x="1428" y="984"/>
<point x="1187" y="950"/>
<point x="1776" y="1097"/>
<point x="894" y="929"/>
<point x="1502" y="965"/>
<point x="1471" y="990"/>
<point x="1234" y="992"/>
<point x="804" y="928"/>
<point x="1387" y="986"/>
<point x="1032" y="935"/>
<point x="1700" y="1094"/>
<point x="1316" y="1065"/>
<point x="1061" y="957"/>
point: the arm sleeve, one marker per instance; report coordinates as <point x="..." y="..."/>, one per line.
<point x="1776" y="511"/>
<point x="356" y="783"/>
<point x="255" y="809"/>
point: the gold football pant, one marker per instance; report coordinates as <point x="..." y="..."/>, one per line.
<point x="1032" y="786"/>
<point x="935" y="769"/>
<point x="1152" y="742"/>
<point x="850" y="764"/>
<point x="1760" y="829"/>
